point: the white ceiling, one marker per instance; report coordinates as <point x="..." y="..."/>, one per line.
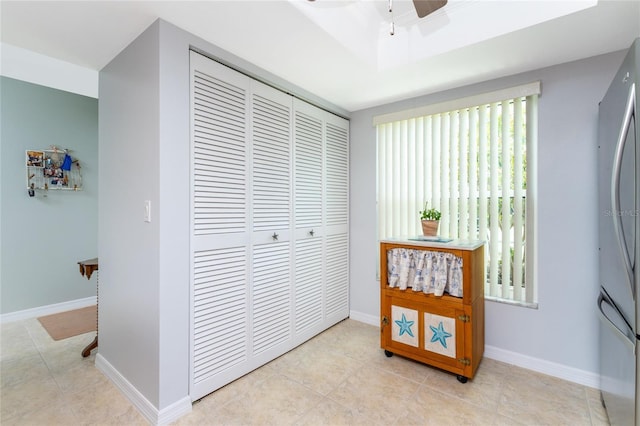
<point x="342" y="51"/>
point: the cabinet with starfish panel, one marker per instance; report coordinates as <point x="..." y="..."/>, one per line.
<point x="445" y="331"/>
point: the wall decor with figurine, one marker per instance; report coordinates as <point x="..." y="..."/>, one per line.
<point x="53" y="169"/>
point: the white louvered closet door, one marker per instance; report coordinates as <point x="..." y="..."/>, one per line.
<point x="336" y="217"/>
<point x="220" y="270"/>
<point x="271" y="207"/>
<point x="269" y="224"/>
<point x="308" y="204"/>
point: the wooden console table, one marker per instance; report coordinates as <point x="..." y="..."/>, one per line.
<point x="86" y="269"/>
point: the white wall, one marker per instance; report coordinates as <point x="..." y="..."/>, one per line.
<point x="560" y="337"/>
<point x="33" y="67"/>
<point x="128" y="246"/>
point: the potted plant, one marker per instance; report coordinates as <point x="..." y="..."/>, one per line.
<point x="430" y="220"/>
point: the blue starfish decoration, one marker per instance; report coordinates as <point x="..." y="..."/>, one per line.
<point x="439" y="334"/>
<point x="405" y="326"/>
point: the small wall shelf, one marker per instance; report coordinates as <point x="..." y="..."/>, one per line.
<point x="52" y="169"/>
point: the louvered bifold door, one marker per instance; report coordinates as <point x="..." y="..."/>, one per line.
<point x="269" y="223"/>
<point x="336" y="266"/>
<point x="308" y="205"/>
<point x="219" y="225"/>
<point x="271" y="206"/>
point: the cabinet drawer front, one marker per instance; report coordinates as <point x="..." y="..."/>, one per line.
<point x="427" y="332"/>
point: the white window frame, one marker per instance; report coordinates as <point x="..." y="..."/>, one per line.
<point x="402" y="136"/>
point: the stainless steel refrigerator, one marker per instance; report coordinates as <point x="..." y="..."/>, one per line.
<point x="619" y="242"/>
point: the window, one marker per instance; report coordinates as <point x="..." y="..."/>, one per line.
<point x="473" y="159"/>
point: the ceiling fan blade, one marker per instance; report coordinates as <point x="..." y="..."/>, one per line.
<point x="425" y="7"/>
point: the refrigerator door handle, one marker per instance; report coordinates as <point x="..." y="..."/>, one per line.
<point x="621" y="334"/>
<point x="629" y="113"/>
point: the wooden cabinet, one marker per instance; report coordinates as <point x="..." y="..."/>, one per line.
<point x="443" y="331"/>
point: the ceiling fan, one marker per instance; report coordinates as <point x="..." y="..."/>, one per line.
<point x="425" y="7"/>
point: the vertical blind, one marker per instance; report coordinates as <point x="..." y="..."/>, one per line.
<point x="475" y="164"/>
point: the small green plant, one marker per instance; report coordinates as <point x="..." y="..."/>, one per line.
<point x="429" y="214"/>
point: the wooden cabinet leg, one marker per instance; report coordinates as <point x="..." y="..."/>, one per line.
<point x="91" y="346"/>
<point x="93" y="266"/>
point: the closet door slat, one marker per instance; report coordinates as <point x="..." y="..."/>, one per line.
<point x="271" y="292"/>
<point x="337" y="275"/>
<point x="337" y="165"/>
<point x="308" y="170"/>
<point x="219" y="156"/>
<point x="308" y="288"/>
<point x="271" y="138"/>
<point x="219" y="307"/>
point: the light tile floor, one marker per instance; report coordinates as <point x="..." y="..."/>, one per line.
<point x="340" y="377"/>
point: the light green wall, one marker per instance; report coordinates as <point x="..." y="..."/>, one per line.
<point x="43" y="238"/>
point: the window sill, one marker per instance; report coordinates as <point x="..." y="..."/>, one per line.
<point x="511" y="302"/>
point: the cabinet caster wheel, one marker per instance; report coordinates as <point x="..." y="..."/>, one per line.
<point x="462" y="379"/>
<point x="388" y="353"/>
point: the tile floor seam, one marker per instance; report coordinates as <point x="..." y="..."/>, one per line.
<point x="413" y="397"/>
<point x="404" y="377"/>
<point x="549" y="424"/>
<point x="53" y="376"/>
<point x="309" y="410"/>
<point x="322" y="396"/>
<point x="335" y="400"/>
<point x="458" y="397"/>
<point x="20" y="414"/>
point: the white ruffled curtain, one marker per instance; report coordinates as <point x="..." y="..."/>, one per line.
<point x="427" y="271"/>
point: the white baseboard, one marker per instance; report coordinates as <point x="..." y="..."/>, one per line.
<point x="47" y="310"/>
<point x="146" y="409"/>
<point x="560" y="371"/>
<point x="176" y="410"/>
<point x="365" y="318"/>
